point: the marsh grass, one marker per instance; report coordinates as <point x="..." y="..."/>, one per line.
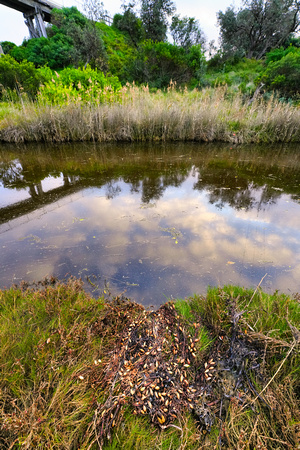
<point x="136" y="114"/>
<point x="267" y="321"/>
<point x="44" y="343"/>
<point x="56" y="341"/>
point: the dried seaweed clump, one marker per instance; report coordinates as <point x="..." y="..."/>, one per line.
<point x="158" y="370"/>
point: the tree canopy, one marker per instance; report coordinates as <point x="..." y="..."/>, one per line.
<point x="258" y="27"/>
<point x="86" y="42"/>
<point x="72" y="40"/>
<point x="186" y="32"/>
<point x="130" y="23"/>
<point x="154" y="15"/>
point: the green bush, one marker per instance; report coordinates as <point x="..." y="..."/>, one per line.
<point x="158" y="63"/>
<point x="85" y="77"/>
<point x="18" y="77"/>
<point x="55" y="52"/>
<point x="278" y="53"/>
<point x="283" y="75"/>
<point x="72" y="40"/>
<point x="7" y="46"/>
<point x="241" y="74"/>
<point x="119" y="50"/>
<point x="71" y="84"/>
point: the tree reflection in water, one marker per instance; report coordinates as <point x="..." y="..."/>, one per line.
<point x="242" y="179"/>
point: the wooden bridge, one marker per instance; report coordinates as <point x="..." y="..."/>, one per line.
<point x="36" y="13"/>
<point x="39" y="199"/>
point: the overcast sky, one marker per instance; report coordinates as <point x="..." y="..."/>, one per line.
<point x="13" y="28"/>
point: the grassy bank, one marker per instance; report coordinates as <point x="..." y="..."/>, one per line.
<point x="213" y="371"/>
<point x="135" y="114"/>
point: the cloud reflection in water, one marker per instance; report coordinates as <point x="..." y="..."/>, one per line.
<point x="157" y="238"/>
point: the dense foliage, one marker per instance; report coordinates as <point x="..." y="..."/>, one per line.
<point x="130" y="24"/>
<point x="258" y="49"/>
<point x="282" y="73"/>
<point x="86" y="84"/>
<point x="159" y="63"/>
<point x="18" y="77"/>
<point x="258" y="27"/>
<point x="119" y="50"/>
<point x="72" y="40"/>
<point x="69" y="84"/>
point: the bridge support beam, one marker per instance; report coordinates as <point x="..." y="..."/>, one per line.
<point x="35" y="23"/>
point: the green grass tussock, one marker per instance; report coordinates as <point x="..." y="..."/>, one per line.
<point x="74" y="370"/>
<point x="44" y="343"/>
<point x="135" y="114"/>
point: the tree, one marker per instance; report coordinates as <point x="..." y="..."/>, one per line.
<point x="87" y="46"/>
<point x="73" y="39"/>
<point x="130" y="23"/>
<point x="95" y="10"/>
<point x="7" y="46"/>
<point x="258" y="27"/>
<point x="154" y="15"/>
<point x="186" y="32"/>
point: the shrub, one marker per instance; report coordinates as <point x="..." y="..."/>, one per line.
<point x="158" y="63"/>
<point x="55" y="52"/>
<point x="283" y="74"/>
<point x="119" y="51"/>
<point x="278" y="53"/>
<point x="77" y="84"/>
<point x="15" y="76"/>
<point x="72" y="40"/>
<point x="7" y="46"/>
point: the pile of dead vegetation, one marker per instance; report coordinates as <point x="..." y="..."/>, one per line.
<point x="220" y="371"/>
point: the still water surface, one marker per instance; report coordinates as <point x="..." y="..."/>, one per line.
<point x="154" y="222"/>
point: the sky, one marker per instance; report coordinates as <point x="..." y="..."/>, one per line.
<point x="13" y="28"/>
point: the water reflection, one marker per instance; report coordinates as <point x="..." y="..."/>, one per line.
<point x="154" y="223"/>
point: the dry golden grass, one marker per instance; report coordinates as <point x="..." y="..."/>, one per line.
<point x="139" y="115"/>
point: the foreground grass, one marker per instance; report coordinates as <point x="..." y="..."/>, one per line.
<point x="58" y="385"/>
<point x="135" y="114"/>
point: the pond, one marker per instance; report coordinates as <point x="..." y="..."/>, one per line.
<point x="151" y="221"/>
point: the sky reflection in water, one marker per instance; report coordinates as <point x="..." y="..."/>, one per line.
<point x="168" y="231"/>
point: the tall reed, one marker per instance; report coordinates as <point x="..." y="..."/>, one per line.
<point x="136" y="114"/>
